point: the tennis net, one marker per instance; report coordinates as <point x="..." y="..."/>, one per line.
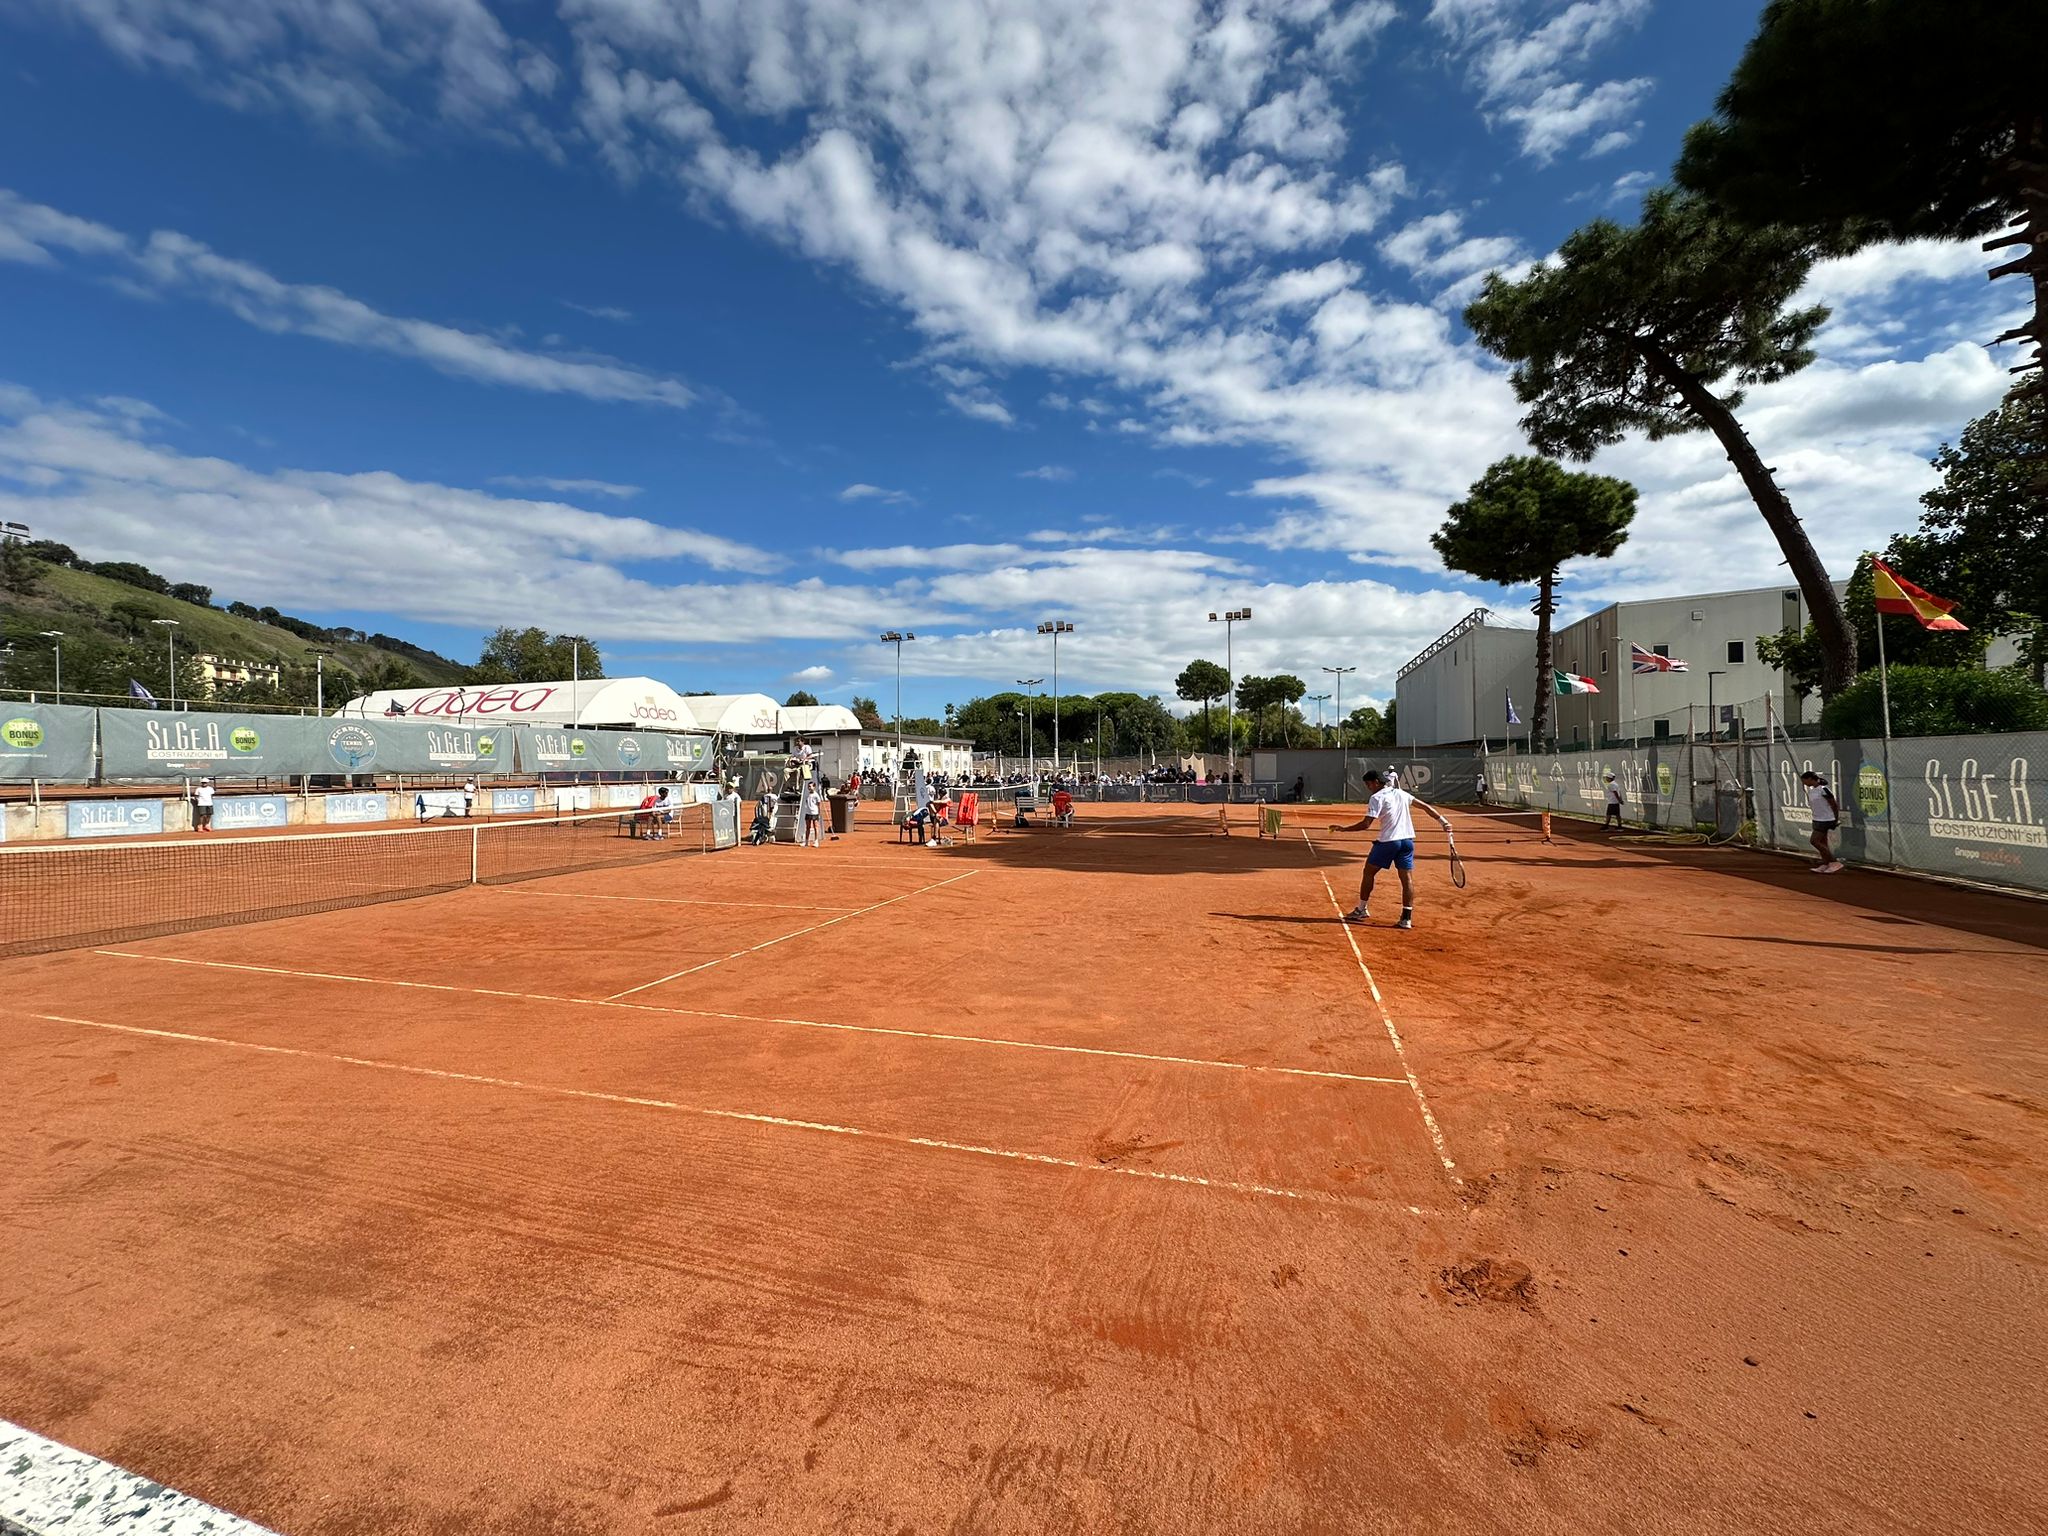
<point x="70" y="895"/>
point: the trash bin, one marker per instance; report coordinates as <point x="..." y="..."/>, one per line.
<point x="842" y="814"/>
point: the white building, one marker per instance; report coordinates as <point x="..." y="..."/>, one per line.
<point x="950" y="755"/>
<point x="1455" y="690"/>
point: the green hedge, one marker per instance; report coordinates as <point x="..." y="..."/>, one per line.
<point x="1939" y="701"/>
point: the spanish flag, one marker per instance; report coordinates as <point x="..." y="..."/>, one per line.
<point x="1895" y="594"/>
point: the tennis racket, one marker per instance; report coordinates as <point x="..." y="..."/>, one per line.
<point x="1457" y="866"/>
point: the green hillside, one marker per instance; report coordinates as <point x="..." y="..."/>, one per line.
<point x="109" y="638"/>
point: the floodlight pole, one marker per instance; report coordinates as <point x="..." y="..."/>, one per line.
<point x="1322" y="736"/>
<point x="1344" y="740"/>
<point x="171" y="634"/>
<point x="56" y="639"/>
<point x="320" y="681"/>
<point x="1030" y="731"/>
<point x="1229" y="621"/>
<point x="896" y="638"/>
<point x="1056" y="628"/>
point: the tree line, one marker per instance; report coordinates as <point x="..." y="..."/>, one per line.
<point x="1846" y="123"/>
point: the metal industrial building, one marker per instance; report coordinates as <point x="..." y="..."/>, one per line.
<point x="1455" y="691"/>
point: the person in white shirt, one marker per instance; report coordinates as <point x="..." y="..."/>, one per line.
<point x="1613" y="820"/>
<point x="468" y="797"/>
<point x="202" y="806"/>
<point x="1393" y="809"/>
<point x="813" y="807"/>
<point x="1827" y="816"/>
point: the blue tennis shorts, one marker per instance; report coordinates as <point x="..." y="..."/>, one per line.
<point x="1394" y="854"/>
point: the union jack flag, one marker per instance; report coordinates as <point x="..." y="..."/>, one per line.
<point x="1641" y="660"/>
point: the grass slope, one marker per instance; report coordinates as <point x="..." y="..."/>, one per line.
<point x="80" y="603"/>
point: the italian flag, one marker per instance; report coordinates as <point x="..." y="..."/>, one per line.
<point x="1571" y="682"/>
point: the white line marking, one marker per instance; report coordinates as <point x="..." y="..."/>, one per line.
<point x="785" y="938"/>
<point x="782" y="1122"/>
<point x="670" y="901"/>
<point x="759" y="1018"/>
<point x="1436" y="1135"/>
<point x="51" y="1487"/>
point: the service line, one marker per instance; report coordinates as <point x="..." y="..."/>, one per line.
<point x="999" y="1041"/>
<point x="670" y="901"/>
<point x="780" y="1122"/>
<point x="1436" y="1135"/>
<point x="751" y="949"/>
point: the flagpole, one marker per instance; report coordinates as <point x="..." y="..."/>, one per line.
<point x="1884" y="682"/>
<point x="1635" y="736"/>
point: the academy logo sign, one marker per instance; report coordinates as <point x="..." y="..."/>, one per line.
<point x="353" y="747"/>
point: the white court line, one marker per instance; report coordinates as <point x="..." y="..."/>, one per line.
<point x="782" y="1122"/>
<point x="785" y="938"/>
<point x="759" y="1018"/>
<point x="672" y="901"/>
<point x="51" y="1487"/>
<point x="1436" y="1135"/>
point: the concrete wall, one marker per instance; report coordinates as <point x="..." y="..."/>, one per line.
<point x="1460" y="693"/>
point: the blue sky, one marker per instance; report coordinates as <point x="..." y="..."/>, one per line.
<point x="731" y="335"/>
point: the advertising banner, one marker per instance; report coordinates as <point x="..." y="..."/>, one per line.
<point x="46" y="741"/>
<point x="571" y="797"/>
<point x="376" y="745"/>
<point x="113" y="818"/>
<point x="1963" y="806"/>
<point x="682" y="754"/>
<point x="558" y="749"/>
<point x="236" y="813"/>
<point x="514" y="802"/>
<point x="153" y="744"/>
<point x="343" y="809"/>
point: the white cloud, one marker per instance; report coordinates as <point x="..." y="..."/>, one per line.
<point x="328" y="541"/>
<point x="600" y="311"/>
<point x="368" y="67"/>
<point x="1046" y="472"/>
<point x="567" y="487"/>
<point x="1526" y="71"/>
<point x="1557" y="116"/>
<point x="171" y="263"/>
<point x="816" y="674"/>
<point x="861" y="491"/>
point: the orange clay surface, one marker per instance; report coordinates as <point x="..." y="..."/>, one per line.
<point x="1067" y="1181"/>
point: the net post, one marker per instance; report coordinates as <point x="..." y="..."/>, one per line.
<point x="475" y="835"/>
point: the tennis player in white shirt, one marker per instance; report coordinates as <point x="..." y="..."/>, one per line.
<point x="1393" y="808"/>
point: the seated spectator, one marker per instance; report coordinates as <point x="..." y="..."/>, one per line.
<point x="1063" y="808"/>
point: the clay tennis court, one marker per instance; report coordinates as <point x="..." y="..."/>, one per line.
<point x="1061" y="1182"/>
